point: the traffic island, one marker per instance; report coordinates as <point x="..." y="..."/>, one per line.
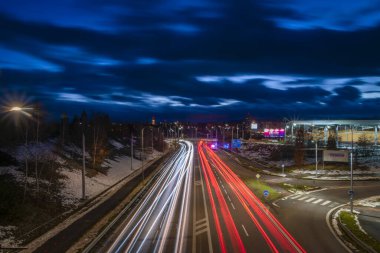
<point x="353" y="234"/>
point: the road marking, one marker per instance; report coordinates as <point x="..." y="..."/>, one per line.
<point x="207" y="229"/>
<point x="309" y="200"/>
<point x="200" y="221"/>
<point x="325" y="203"/>
<point x="201" y="231"/>
<point x="223" y="187"/>
<point x="303" y="198"/>
<point x="296" y="197"/>
<point x="232" y="205"/>
<point x="228" y="196"/>
<point x="245" y="230"/>
<point x="334" y="204"/>
<point x="317" y="201"/>
<point x="201" y="227"/>
<point x="225" y="191"/>
<point x="333" y="231"/>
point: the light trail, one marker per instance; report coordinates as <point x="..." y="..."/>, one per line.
<point x="254" y="207"/>
<point x="151" y="225"/>
<point x="210" y="178"/>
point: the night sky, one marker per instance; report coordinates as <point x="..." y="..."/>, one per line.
<point x="194" y="60"/>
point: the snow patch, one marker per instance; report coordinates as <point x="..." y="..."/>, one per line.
<point x="116" y="144"/>
<point x="369" y="202"/>
<point x="7" y="238"/>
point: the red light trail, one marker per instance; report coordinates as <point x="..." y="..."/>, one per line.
<point x="268" y="226"/>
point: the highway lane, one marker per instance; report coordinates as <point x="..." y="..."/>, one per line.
<point x="241" y="222"/>
<point x="160" y="223"/>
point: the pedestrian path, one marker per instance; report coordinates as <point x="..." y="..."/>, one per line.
<point x="310" y="199"/>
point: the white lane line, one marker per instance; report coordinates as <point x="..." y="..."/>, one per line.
<point x="228" y="196"/>
<point x="334" y="204"/>
<point x="200" y="221"/>
<point x="210" y="249"/>
<point x="232" y="205"/>
<point x="317" y="201"/>
<point x="201" y="227"/>
<point x="309" y="200"/>
<point x="325" y="203"/>
<point x="223" y="187"/>
<point x="296" y="197"/>
<point x="225" y="191"/>
<point x="303" y="198"/>
<point x="245" y="230"/>
<point x="201" y="231"/>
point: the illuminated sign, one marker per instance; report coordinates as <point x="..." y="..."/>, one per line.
<point x="274" y="133"/>
<point x="254" y="126"/>
<point x="335" y="156"/>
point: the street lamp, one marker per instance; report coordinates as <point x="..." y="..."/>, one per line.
<point x="142" y="150"/>
<point x="83" y="159"/>
<point x="23" y="110"/>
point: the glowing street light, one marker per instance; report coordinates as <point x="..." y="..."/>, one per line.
<point x="15" y="109"/>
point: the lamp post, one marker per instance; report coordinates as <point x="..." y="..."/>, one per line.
<point x="131" y="151"/>
<point x="83" y="124"/>
<point x="84" y="165"/>
<point x="232" y="135"/>
<point x="142" y="150"/>
<point x="316" y="158"/>
<point x="23" y="110"/>
<point x="351" y="193"/>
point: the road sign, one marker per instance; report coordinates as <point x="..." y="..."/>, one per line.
<point x="351" y="193"/>
<point x="258" y="176"/>
<point x="266" y="193"/>
<point x="236" y="143"/>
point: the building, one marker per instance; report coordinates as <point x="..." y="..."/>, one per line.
<point x="344" y="131"/>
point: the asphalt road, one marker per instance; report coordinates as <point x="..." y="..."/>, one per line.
<point x="304" y="215"/>
<point x="199" y="204"/>
<point x="70" y="235"/>
<point x="160" y="223"/>
<point x="238" y="220"/>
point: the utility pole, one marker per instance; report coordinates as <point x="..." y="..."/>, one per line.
<point x="142" y="150"/>
<point x="84" y="165"/>
<point x="316" y="158"/>
<point x="352" y="187"/>
<point x="152" y="139"/>
<point x="131" y="151"/>
<point x="351" y="193"/>
<point x="232" y="135"/>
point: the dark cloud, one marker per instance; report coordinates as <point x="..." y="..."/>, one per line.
<point x="147" y="56"/>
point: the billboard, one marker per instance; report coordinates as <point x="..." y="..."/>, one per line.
<point x="253" y="126"/>
<point x="274" y="133"/>
<point x="335" y="156"/>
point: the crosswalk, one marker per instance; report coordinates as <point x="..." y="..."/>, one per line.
<point x="313" y="200"/>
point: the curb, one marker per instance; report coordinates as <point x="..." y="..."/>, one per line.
<point x="354" y="238"/>
<point x="335" y="232"/>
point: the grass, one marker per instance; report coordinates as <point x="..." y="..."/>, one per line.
<point x="298" y="187"/>
<point x="258" y="188"/>
<point x="349" y="221"/>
